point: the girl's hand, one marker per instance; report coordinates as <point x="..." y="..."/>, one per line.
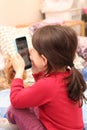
<point x="18" y="65"/>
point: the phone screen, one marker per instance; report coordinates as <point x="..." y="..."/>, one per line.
<point x="23" y="50"/>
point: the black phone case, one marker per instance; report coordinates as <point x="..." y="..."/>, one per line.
<point x="22" y="49"/>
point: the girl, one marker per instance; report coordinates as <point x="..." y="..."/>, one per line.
<point x="58" y="90"/>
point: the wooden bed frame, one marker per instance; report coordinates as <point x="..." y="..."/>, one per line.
<point x="68" y="23"/>
<point x="77" y="23"/>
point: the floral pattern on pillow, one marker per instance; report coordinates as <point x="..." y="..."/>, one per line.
<point x="82" y="47"/>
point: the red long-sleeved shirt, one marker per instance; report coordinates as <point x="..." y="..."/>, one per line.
<point x="56" y="110"/>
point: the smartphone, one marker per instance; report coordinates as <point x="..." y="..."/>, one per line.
<point x="22" y="49"/>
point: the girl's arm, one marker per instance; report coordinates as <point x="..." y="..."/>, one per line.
<point x="35" y="95"/>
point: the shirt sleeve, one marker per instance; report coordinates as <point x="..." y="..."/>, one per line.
<point x="37" y="94"/>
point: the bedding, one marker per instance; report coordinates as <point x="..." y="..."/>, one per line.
<point x="7" y="36"/>
<point x="78" y="26"/>
<point x="82" y="47"/>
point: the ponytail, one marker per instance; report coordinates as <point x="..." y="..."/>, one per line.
<point x="76" y="86"/>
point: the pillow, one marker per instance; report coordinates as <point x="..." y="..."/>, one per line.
<point x="79" y="62"/>
<point x="82" y="47"/>
<point x="7" y="37"/>
<point x="48" y="21"/>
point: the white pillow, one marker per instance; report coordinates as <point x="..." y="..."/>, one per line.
<point x="7" y="37"/>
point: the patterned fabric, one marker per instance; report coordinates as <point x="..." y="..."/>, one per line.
<point x="79" y="62"/>
<point x="8" y="34"/>
<point x="82" y="47"/>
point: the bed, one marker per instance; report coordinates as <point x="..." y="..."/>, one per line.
<point x="9" y="33"/>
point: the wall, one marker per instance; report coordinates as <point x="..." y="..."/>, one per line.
<point x="13" y="12"/>
<point x="80" y="3"/>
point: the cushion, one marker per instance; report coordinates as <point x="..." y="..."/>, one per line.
<point x="48" y="21"/>
<point x="82" y="47"/>
<point x="7" y="38"/>
<point x="8" y="35"/>
<point x="79" y="62"/>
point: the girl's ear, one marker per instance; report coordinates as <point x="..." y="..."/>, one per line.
<point x="44" y="60"/>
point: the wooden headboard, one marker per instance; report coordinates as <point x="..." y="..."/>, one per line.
<point x="77" y="23"/>
<point x="68" y="23"/>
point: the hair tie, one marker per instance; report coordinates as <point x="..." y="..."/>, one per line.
<point x="71" y="65"/>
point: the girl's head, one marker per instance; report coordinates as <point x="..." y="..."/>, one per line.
<point x="57" y="43"/>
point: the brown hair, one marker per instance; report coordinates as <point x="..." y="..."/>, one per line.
<point x="58" y="44"/>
